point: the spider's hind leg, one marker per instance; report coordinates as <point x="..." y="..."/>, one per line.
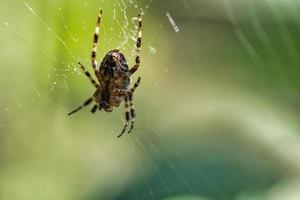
<point x="131" y="105"/>
<point x="86" y="103"/>
<point x="94" y="109"/>
<point x="127" y="116"/>
<point x="132" y="111"/>
<point x="137" y="83"/>
<point x="88" y="75"/>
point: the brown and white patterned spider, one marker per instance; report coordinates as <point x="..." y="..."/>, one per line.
<point x="113" y="79"/>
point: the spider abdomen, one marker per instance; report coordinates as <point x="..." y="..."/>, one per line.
<point x="113" y="64"/>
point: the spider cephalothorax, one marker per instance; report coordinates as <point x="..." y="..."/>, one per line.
<point x="113" y="77"/>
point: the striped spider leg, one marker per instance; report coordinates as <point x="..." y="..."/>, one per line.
<point x="86" y="103"/>
<point x="94" y="65"/>
<point x="138" y="47"/>
<point x="95" y="44"/>
<point x="129" y="107"/>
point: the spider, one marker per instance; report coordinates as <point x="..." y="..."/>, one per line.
<point x="113" y="77"/>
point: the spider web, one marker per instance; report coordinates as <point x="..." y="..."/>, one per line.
<point x="124" y="38"/>
<point x="156" y="159"/>
<point x="121" y="34"/>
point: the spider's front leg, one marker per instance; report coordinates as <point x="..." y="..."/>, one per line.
<point x="95" y="44"/>
<point x="88" y="75"/>
<point x="138" y="47"/>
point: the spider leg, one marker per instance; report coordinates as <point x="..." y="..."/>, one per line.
<point x="95" y="43"/>
<point x="88" y="75"/>
<point x="131" y="105"/>
<point x="86" y="103"/>
<point x="127" y="116"/>
<point x="132" y="111"/>
<point x="123" y="92"/>
<point x="138" y="47"/>
<point x="94" y="109"/>
<point x="137" y="83"/>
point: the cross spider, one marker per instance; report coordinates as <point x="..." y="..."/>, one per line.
<point x="113" y="79"/>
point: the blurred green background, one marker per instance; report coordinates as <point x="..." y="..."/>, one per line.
<point x="217" y="109"/>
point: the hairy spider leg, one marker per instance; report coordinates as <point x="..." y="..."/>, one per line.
<point x="131" y="105"/>
<point x="94" y="109"/>
<point x="88" y="75"/>
<point x="127" y="116"/>
<point x="95" y="43"/>
<point x="132" y="111"/>
<point x="137" y="83"/>
<point x="86" y="103"/>
<point x="138" y="47"/>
